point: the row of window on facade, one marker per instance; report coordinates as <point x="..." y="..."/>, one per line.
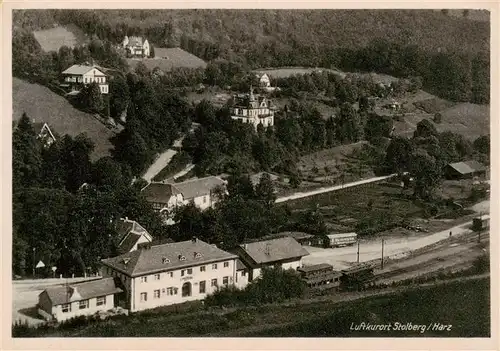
<point x="186" y="290"/>
<point x="86" y="79"/>
<point x="83" y="304"/>
<point x="157" y="276"/>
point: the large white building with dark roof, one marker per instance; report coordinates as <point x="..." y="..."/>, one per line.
<point x="172" y="273"/>
<point x="77" y="76"/>
<point x="254" y="109"/>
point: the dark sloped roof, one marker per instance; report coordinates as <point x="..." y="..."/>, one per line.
<point x="150" y="260"/>
<point x="274" y="250"/>
<point x="100" y="287"/>
<point x="129" y="242"/>
<point x="467" y="167"/>
<point x="159" y="192"/>
<point x="125" y="226"/>
<point x="239" y="265"/>
<point x="198" y="187"/>
<point x="315" y="267"/>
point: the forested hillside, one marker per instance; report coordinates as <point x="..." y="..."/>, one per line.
<point x="450" y="54"/>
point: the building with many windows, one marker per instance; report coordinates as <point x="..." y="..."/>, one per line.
<point x="81" y="299"/>
<point x="201" y="191"/>
<point x="77" y="76"/>
<point x="253" y="109"/>
<point x="172" y="273"/>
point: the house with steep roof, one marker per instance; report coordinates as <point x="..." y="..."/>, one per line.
<point x="466" y="169"/>
<point x="131" y="235"/>
<point x="81" y="299"/>
<point x="254" y="109"/>
<point x="283" y="252"/>
<point x="77" y="76"/>
<point x="167" y="196"/>
<point x="264" y="80"/>
<point x="136" y="46"/>
<point x="44" y="134"/>
<point x="173" y="273"/>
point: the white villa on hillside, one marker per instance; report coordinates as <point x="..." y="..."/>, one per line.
<point x="172" y="273"/>
<point x="283" y="252"/>
<point x="167" y="196"/>
<point x="136" y="47"/>
<point x="75" y="77"/>
<point x="253" y="109"/>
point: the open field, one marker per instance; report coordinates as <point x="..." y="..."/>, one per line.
<point x="52" y="39"/>
<point x="376" y="206"/>
<point x="329" y="164"/>
<point x="43" y="105"/>
<point x="463" y="304"/>
<point x="171" y="58"/>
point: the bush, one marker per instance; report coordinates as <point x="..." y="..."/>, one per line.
<point x="274" y="285"/>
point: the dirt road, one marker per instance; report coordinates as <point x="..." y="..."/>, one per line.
<point x="341" y="258"/>
<point x="161" y="162"/>
<point x="300" y="195"/>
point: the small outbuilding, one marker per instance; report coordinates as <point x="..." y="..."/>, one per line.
<point x="81" y="299"/>
<point x="465" y="169"/>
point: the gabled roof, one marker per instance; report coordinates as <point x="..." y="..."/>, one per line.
<point x="467" y="167"/>
<point x="135" y="41"/>
<point x="239" y="265"/>
<point x="160" y="258"/>
<point x="80" y="70"/>
<point x="129" y="233"/>
<point x="62" y="294"/>
<point x="274" y="250"/>
<point x="159" y="192"/>
<point x="198" y="187"/>
<point x="40" y="127"/>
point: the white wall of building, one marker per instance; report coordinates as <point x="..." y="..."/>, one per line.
<point x="165" y="283"/>
<point x="75" y="311"/>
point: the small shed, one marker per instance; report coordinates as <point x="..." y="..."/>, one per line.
<point x="463" y="170"/>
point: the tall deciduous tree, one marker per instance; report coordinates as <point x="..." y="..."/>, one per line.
<point x="399" y="154"/>
<point x="264" y="191"/>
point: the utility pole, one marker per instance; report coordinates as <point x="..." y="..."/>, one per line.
<point x="358" y="252"/>
<point x="382" y="260"/>
<point x="34" y="262"/>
